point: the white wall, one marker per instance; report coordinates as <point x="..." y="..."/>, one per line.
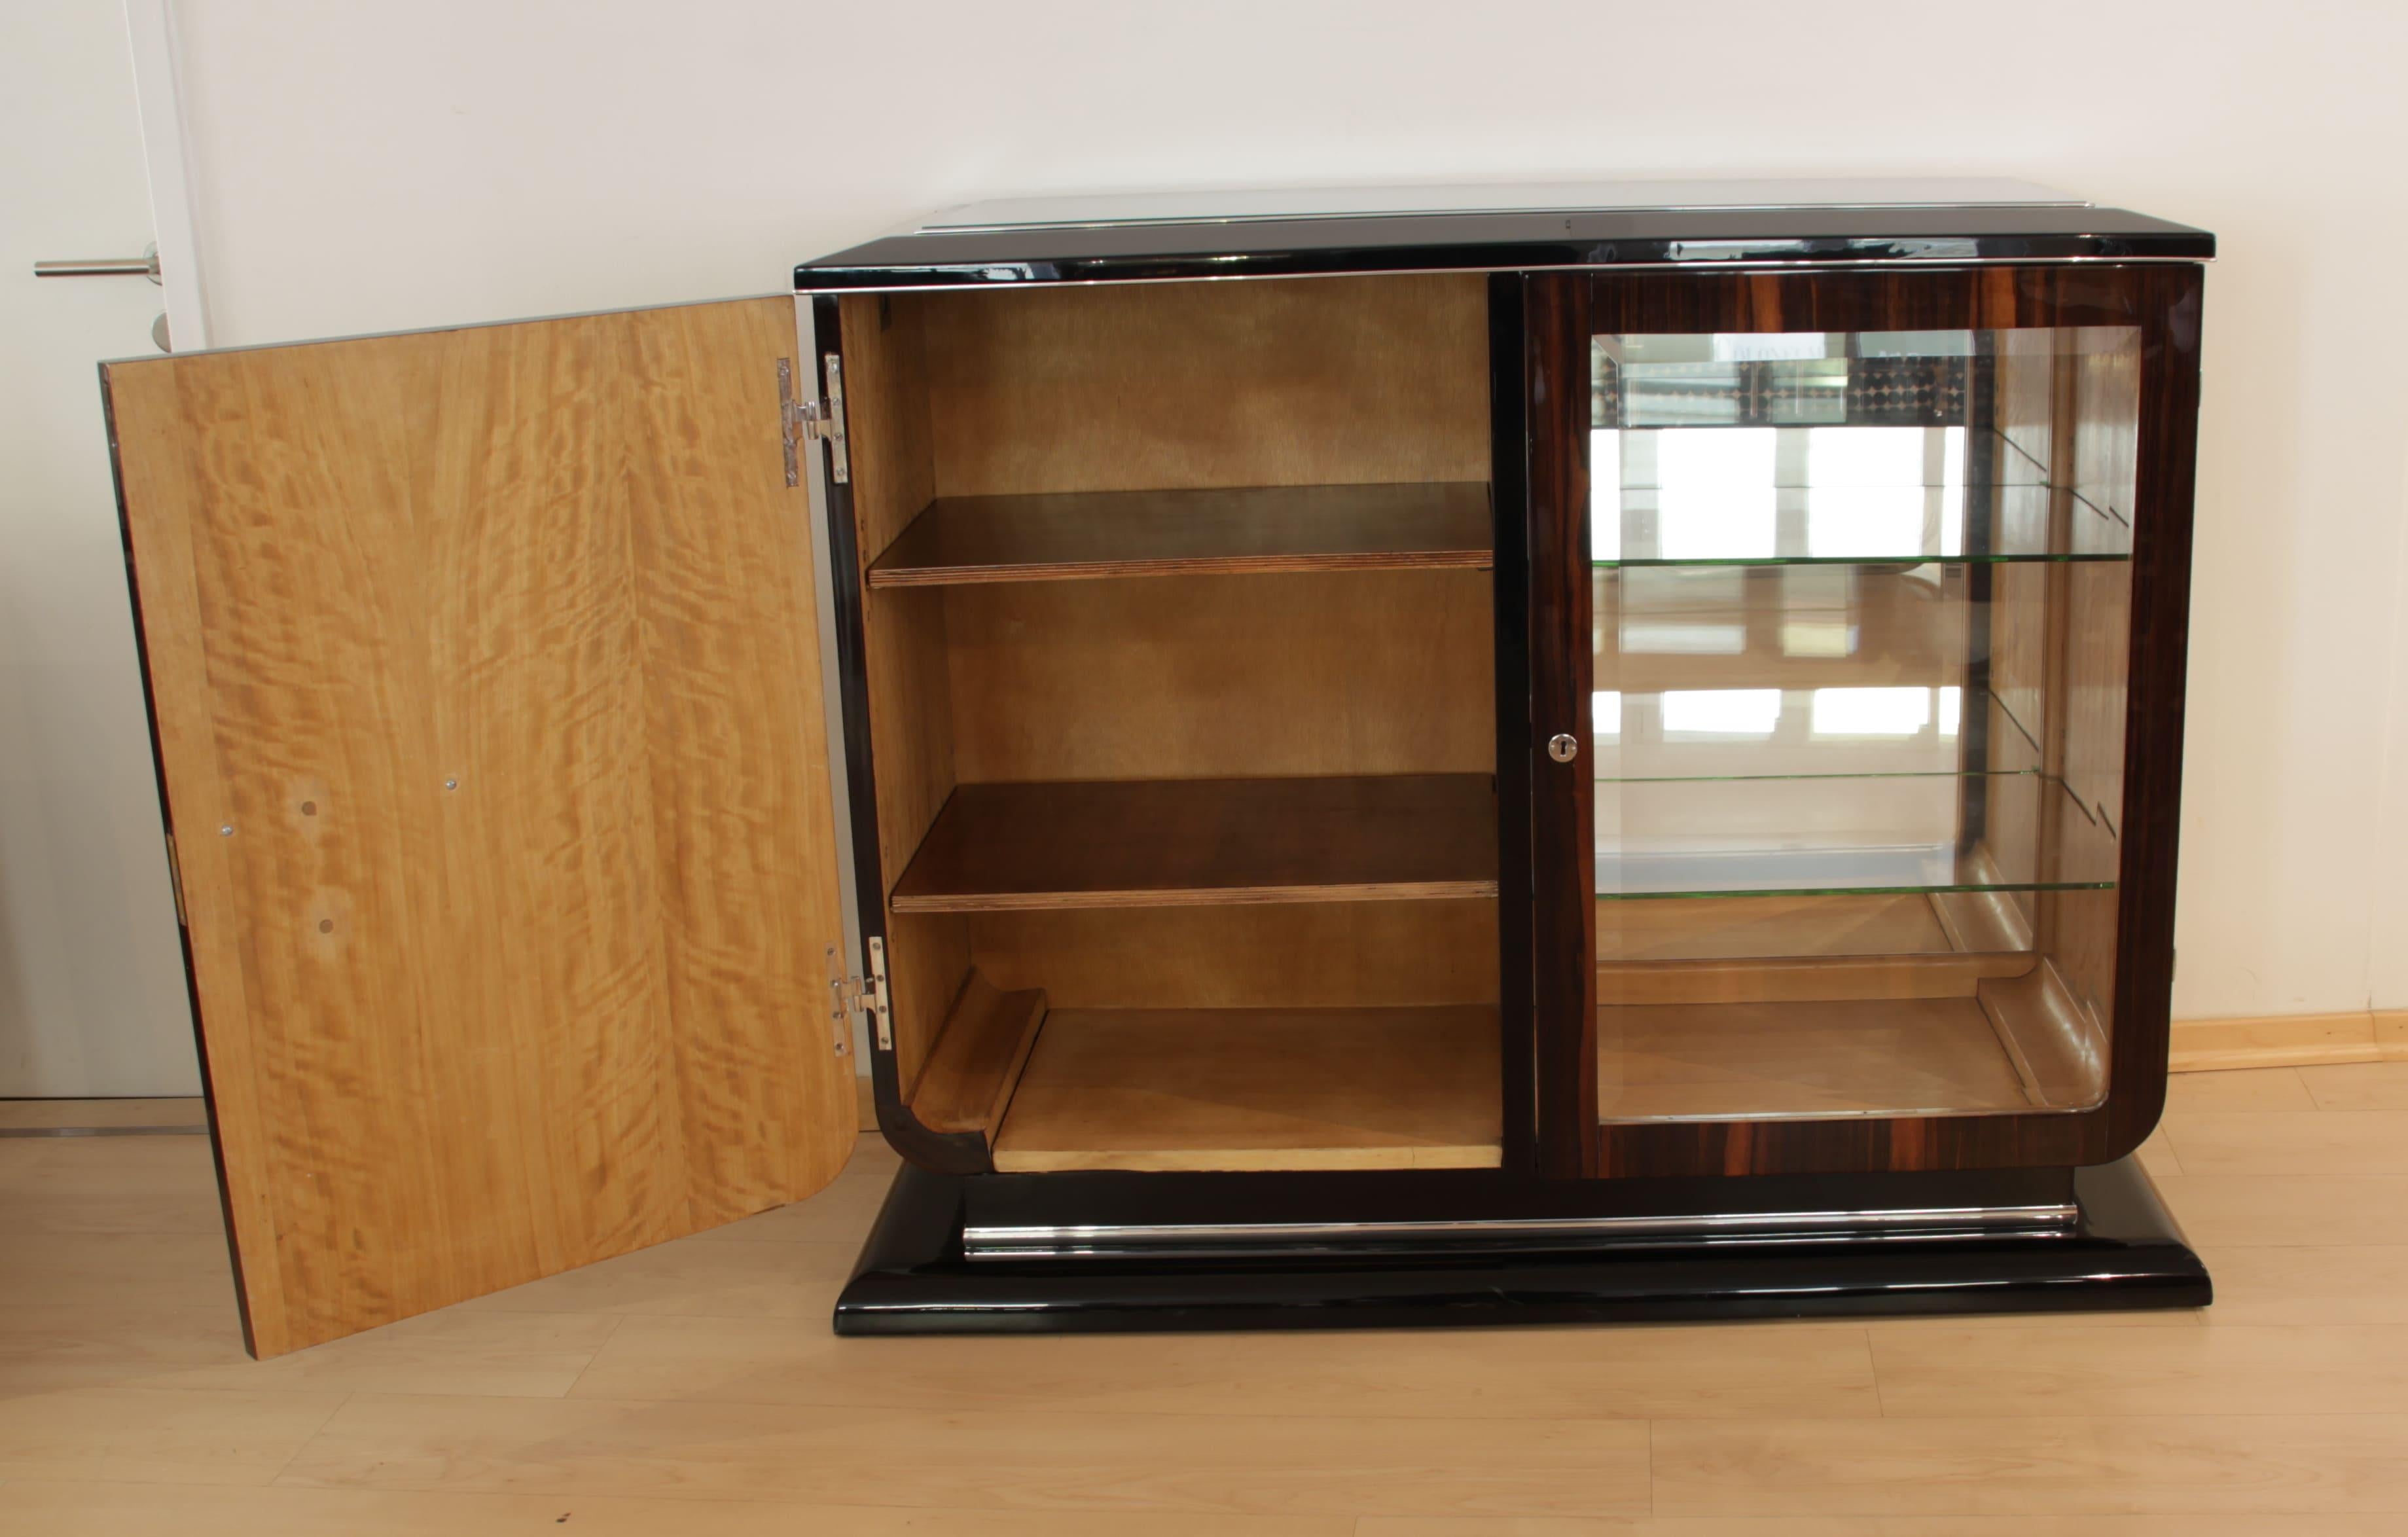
<point x="91" y="982"/>
<point x="365" y="167"/>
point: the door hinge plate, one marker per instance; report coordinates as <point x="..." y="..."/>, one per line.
<point x="862" y="995"/>
<point x="816" y="419"/>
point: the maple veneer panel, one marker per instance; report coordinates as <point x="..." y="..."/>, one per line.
<point x="1193" y="677"/>
<point x="497" y="650"/>
<point x="1176" y="385"/>
<point x="1257" y="1089"/>
<point x="1287" y="956"/>
<point x="1253" y="530"/>
<point x="1206" y="843"/>
<point x="1747" y="1060"/>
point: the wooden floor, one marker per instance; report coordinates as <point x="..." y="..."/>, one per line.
<point x="694" y="1389"/>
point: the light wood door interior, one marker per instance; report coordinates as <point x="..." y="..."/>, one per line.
<point x="487" y="683"/>
<point x="1177" y="631"/>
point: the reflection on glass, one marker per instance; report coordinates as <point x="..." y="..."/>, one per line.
<point x="1715" y="498"/>
<point x="1837" y="447"/>
<point x="1673" y="613"/>
<point x="1871" y="711"/>
<point x="1721" y="713"/>
<point x="1845" y="715"/>
<point x="1605" y="714"/>
<point x="1818" y="612"/>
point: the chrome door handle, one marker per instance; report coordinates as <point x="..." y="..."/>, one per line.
<point x="144" y="265"/>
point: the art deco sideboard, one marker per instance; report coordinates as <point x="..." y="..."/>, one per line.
<point x="1560" y="757"/>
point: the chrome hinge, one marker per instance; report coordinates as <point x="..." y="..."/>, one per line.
<point x="856" y="995"/>
<point x="822" y="420"/>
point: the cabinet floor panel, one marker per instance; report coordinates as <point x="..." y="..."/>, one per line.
<point x="1257" y="1089"/>
<point x="1752" y="1061"/>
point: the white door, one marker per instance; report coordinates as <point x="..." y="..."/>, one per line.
<point x="92" y="976"/>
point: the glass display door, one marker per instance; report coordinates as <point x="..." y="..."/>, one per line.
<point x="1859" y="556"/>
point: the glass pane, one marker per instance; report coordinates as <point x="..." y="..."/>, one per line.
<point x="1861" y="613"/>
<point x="1906" y="450"/>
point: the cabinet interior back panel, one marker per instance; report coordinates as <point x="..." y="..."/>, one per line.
<point x="1305" y="955"/>
<point x="1160" y="386"/>
<point x="1381" y="672"/>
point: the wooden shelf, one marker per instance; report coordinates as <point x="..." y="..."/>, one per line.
<point x="1206" y="843"/>
<point x="1257" y="1089"/>
<point x="1253" y="529"/>
<point x="1757" y="1061"/>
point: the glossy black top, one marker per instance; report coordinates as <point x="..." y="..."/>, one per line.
<point x="1174" y="248"/>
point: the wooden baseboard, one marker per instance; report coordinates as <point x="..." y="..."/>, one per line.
<point x="2290" y="1040"/>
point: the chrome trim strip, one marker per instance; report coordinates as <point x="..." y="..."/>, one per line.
<point x="1032" y="1241"/>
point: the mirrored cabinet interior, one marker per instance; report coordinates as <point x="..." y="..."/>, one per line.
<point x="1506" y="755"/>
<point x="1862" y="602"/>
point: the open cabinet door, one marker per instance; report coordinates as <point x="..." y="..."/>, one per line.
<point x="484" y="667"/>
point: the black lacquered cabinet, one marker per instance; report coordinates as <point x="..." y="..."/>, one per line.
<point x="1513" y="733"/>
<point x="1563" y="758"/>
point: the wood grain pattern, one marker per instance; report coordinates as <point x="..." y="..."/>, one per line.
<point x="1804" y="979"/>
<point x="1306" y="955"/>
<point x="2057" y="1044"/>
<point x="1900" y="628"/>
<point x="1206" y="843"/>
<point x="1257" y="1088"/>
<point x="1561" y="647"/>
<point x="496" y="648"/>
<point x="1173" y="387"/>
<point x="977" y="1059"/>
<point x="1253" y="530"/>
<point x="1753" y="928"/>
<point x="2215" y="1046"/>
<point x="1367" y="672"/>
<point x="1534" y="1376"/>
<point x="131" y="1413"/>
<point x="2033" y="1466"/>
<point x="1748" y="1060"/>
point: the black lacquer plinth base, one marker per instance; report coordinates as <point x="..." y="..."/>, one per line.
<point x="2124" y="1252"/>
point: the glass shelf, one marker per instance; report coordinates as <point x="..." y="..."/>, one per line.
<point x="1753" y="791"/>
<point x="1823" y="834"/>
<point x="1763" y="495"/>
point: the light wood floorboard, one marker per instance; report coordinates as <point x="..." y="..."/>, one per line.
<point x="1264" y="1464"/>
<point x="693" y="1387"/>
<point x="119" y="1509"/>
<point x="1543" y="1374"/>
